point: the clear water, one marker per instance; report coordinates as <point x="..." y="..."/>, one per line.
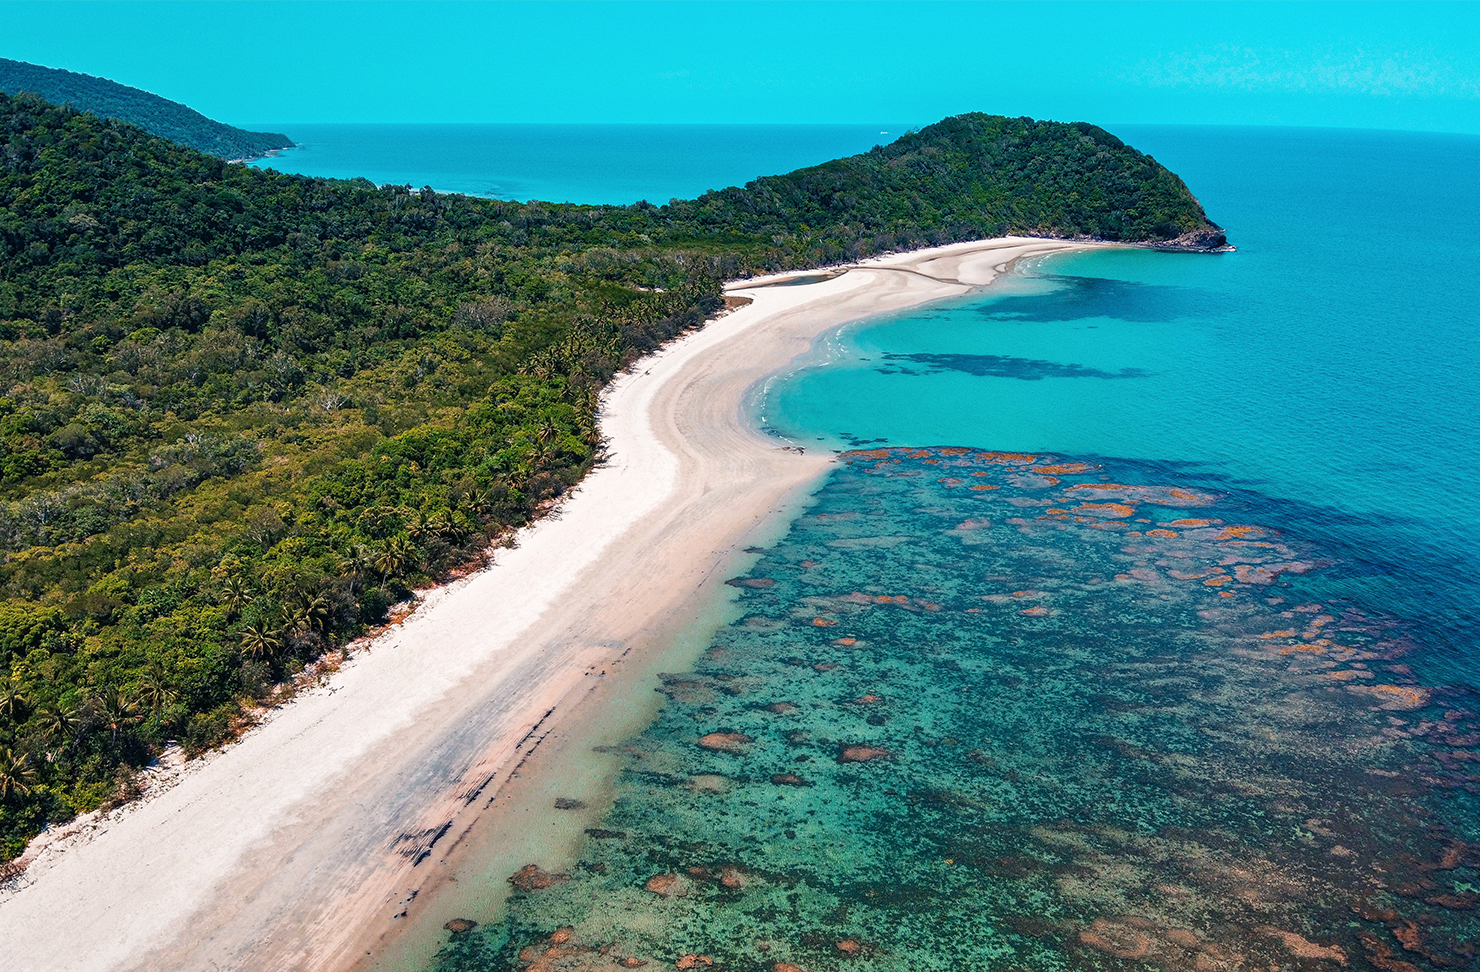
<point x="1005" y="711"/>
<point x="1182" y="677"/>
<point x="617" y="164"/>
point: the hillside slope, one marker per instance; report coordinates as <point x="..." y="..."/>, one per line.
<point x="159" y="116"/>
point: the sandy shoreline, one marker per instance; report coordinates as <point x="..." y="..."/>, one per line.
<point x="338" y="824"/>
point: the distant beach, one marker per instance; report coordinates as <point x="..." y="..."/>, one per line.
<point x="337" y="824"/>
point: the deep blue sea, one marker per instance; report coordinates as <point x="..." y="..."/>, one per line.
<point x="1135" y="628"/>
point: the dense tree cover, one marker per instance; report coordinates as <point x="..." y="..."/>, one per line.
<point x="165" y="118"/>
<point x="243" y="413"/>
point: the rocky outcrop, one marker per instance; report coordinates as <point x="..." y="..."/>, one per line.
<point x="1211" y="240"/>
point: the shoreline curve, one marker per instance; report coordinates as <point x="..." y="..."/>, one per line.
<point x="325" y="834"/>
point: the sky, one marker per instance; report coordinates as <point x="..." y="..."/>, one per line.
<point x="1365" y="65"/>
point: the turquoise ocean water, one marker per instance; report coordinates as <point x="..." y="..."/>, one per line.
<point x="1134" y="629"/>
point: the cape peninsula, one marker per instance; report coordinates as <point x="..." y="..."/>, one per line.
<point x="246" y="417"/>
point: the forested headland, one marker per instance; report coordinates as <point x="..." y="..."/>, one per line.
<point x="243" y="413"/>
<point x="156" y="115"/>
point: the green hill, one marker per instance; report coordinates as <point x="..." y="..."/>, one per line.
<point x="969" y="177"/>
<point x="160" y="116"/>
<point x="242" y="412"/>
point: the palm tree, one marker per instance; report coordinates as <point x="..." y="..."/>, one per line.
<point x="315" y="608"/>
<point x="58" y="721"/>
<point x="441" y="523"/>
<point x="544" y="456"/>
<point x="258" y="641"/>
<point x="397" y="556"/>
<point x="154" y="688"/>
<point x="419" y="527"/>
<point x="17" y="775"/>
<point x="309" y="612"/>
<point x="236" y="595"/>
<point x="118" y="711"/>
<point x="485" y="500"/>
<point x="356" y="566"/>
<point x="586" y="422"/>
<point x="12" y="697"/>
<point x="459" y="524"/>
<point x="548" y="433"/>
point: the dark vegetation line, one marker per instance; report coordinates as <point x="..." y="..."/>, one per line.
<point x="243" y="413"/>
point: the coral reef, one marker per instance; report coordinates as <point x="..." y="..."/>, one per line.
<point x="1031" y="727"/>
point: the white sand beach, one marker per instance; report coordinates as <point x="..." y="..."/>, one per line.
<point x="341" y="820"/>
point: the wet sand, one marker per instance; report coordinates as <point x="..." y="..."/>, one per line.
<point x="354" y="815"/>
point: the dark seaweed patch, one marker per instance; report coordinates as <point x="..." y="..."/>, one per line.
<point x="999" y="366"/>
<point x="1075" y="298"/>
